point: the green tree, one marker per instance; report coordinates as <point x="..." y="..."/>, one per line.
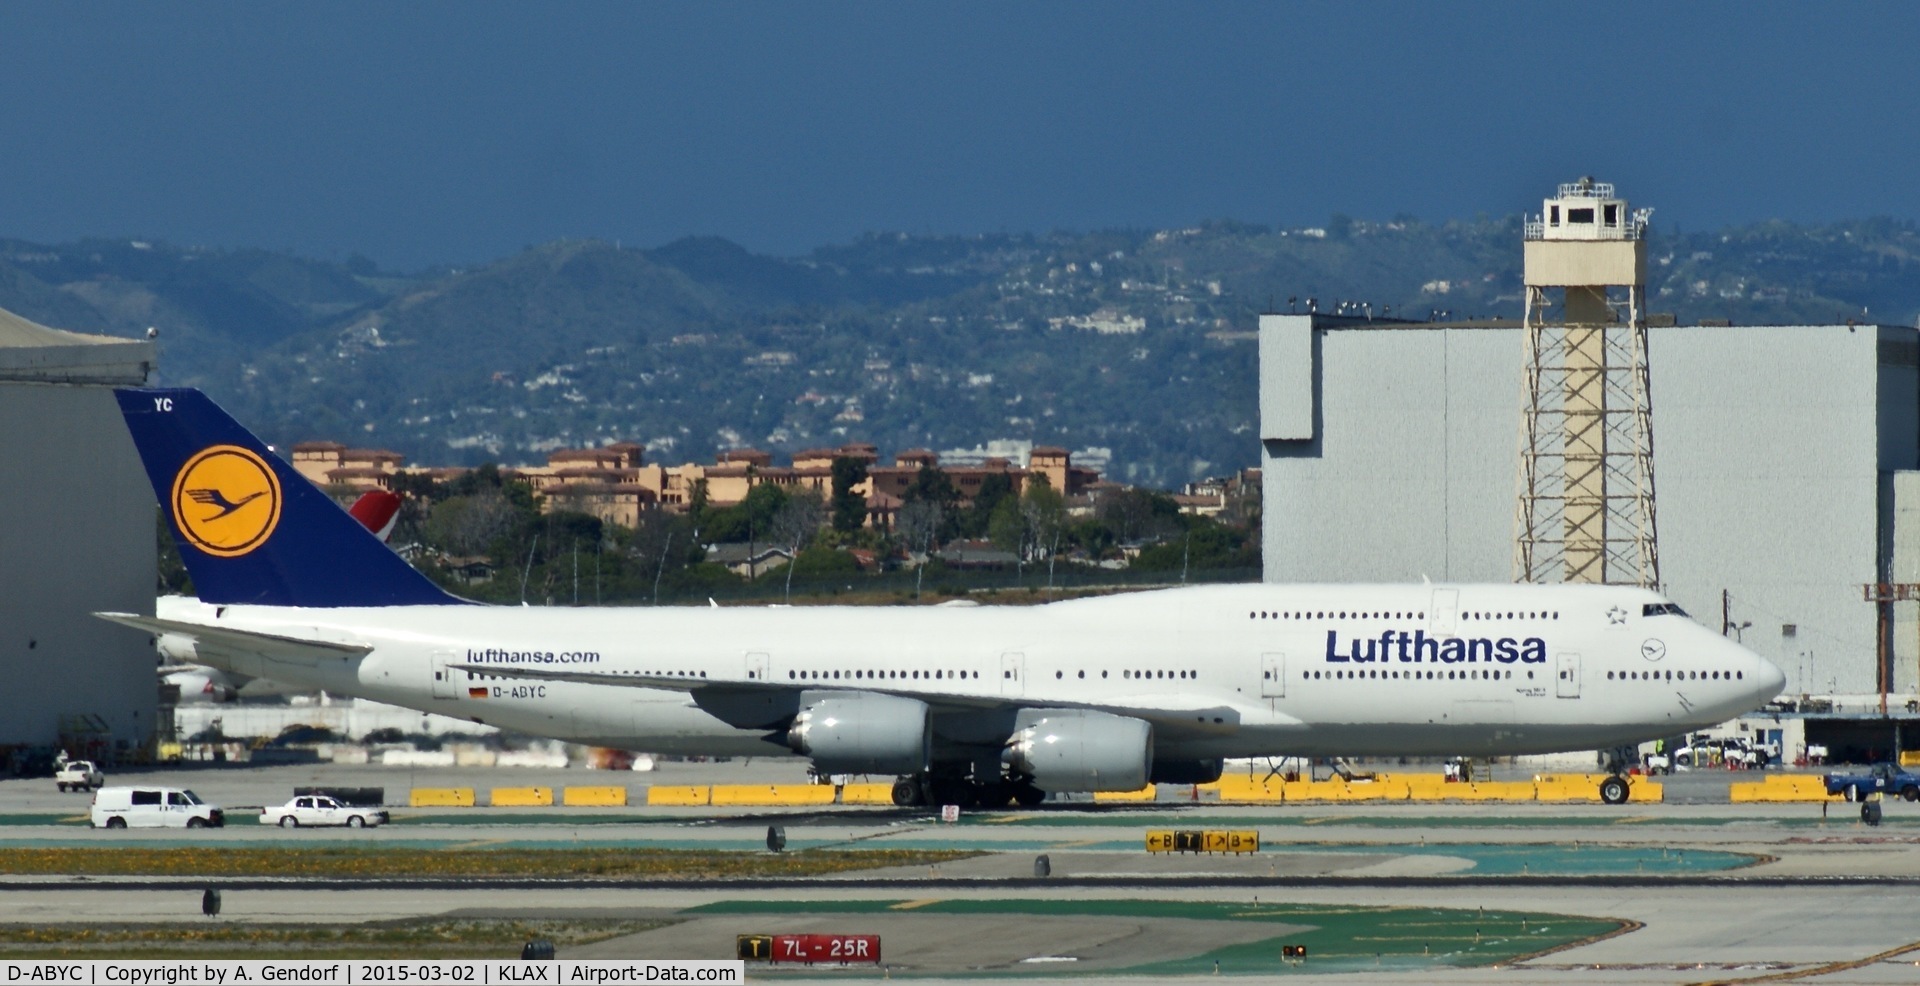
<point x="935" y="486"/>
<point x="172" y="575"/>
<point x="1044" y="511"/>
<point x="745" y="521"/>
<point x="849" y="505"/>
<point x="994" y="488"/>
<point x="918" y="526"/>
<point x="794" y="525"/>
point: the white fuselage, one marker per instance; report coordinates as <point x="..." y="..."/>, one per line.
<point x="1221" y="671"/>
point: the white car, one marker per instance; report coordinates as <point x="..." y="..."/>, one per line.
<point x="318" y="809"/>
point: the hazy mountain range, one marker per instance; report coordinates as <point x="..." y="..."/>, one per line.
<point x="1138" y="341"/>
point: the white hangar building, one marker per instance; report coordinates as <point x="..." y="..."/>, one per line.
<point x="1785" y="463"/>
<point x="76" y="536"/>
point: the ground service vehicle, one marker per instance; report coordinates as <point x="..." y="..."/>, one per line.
<point x="1883" y="778"/>
<point x="79" y="775"/>
<point x="318" y="809"/>
<point x="153" y="807"/>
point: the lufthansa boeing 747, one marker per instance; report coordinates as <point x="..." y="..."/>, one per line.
<point x="965" y="704"/>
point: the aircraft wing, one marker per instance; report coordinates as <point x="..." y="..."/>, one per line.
<point x="1172" y="709"/>
<point x="230" y="641"/>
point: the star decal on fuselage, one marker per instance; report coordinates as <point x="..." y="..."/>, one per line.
<point x="1617" y="616"/>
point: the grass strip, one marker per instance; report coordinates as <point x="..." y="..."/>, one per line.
<point x="413" y="938"/>
<point x="411" y="862"/>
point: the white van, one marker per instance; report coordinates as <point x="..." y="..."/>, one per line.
<point x="153" y="807"/>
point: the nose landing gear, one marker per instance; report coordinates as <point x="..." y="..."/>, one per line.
<point x="1615" y="789"/>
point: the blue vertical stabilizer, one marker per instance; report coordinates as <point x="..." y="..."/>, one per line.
<point x="250" y="528"/>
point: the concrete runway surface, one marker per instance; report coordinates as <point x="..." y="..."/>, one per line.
<point x="1705" y="892"/>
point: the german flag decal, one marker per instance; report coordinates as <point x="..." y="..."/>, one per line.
<point x="476" y="693"/>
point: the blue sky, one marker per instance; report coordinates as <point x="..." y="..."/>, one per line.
<point x="432" y="132"/>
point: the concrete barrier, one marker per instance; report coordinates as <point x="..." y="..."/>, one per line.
<point x="866" y="794"/>
<point x="772" y="795"/>
<point x="1244" y="787"/>
<point x="594" y="797"/>
<point x="1147" y="793"/>
<point x="682" y="795"/>
<point x="520" y="797"/>
<point x="1784" y="788"/>
<point x="440" y="797"/>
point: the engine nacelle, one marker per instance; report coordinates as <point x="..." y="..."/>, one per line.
<point x="1186" y="771"/>
<point x="864" y="733"/>
<point x="1074" y="750"/>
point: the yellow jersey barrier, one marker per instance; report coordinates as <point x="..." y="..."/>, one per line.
<point x="1425" y="787"/>
<point x="679" y="795"/>
<point x="440" y="797"/>
<point x="772" y="795"/>
<point x="520" y="797"/>
<point x="1147" y="793"/>
<point x="1784" y="788"/>
<point x="594" y="797"/>
<point x="866" y="794"/>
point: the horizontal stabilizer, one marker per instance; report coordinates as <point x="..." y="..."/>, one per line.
<point x="212" y="642"/>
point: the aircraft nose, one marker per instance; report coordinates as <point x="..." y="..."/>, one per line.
<point x="1770" y="680"/>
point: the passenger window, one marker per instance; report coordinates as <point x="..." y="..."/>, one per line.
<point x="146" y="797"/>
<point x="174" y="798"/>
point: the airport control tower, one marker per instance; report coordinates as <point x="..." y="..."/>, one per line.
<point x="1586" y="505"/>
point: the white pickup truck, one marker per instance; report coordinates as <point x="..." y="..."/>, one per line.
<point x="79" y="775"/>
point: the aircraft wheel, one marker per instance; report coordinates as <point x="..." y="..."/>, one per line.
<point x="1613" y="791"/>
<point x="1028" y="795"/>
<point x="906" y="792"/>
<point x="952" y="791"/>
<point x="994" y="795"/>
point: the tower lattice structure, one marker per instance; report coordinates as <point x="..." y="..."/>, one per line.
<point x="1585" y="510"/>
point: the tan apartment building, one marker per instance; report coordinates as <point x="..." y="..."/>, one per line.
<point x="616" y="484"/>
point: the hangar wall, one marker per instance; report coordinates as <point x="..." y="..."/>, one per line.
<point x="76" y="536"/>
<point x="1775" y="455"/>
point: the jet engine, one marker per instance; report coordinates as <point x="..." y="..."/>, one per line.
<point x="864" y="733"/>
<point x="1073" y="750"/>
<point x="199" y="685"/>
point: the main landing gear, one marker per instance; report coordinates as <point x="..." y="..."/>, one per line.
<point x="1614" y="790"/>
<point x="944" y="787"/>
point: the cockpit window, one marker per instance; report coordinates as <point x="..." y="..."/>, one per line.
<point x="1662" y="609"/>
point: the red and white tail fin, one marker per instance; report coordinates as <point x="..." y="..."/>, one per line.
<point x="377" y="510"/>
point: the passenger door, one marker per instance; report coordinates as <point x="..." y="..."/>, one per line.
<point x="1443" y="613"/>
<point x="1273" y="675"/>
<point x="444" y="685"/>
<point x="1568" y="683"/>
<point x="1013" y="673"/>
